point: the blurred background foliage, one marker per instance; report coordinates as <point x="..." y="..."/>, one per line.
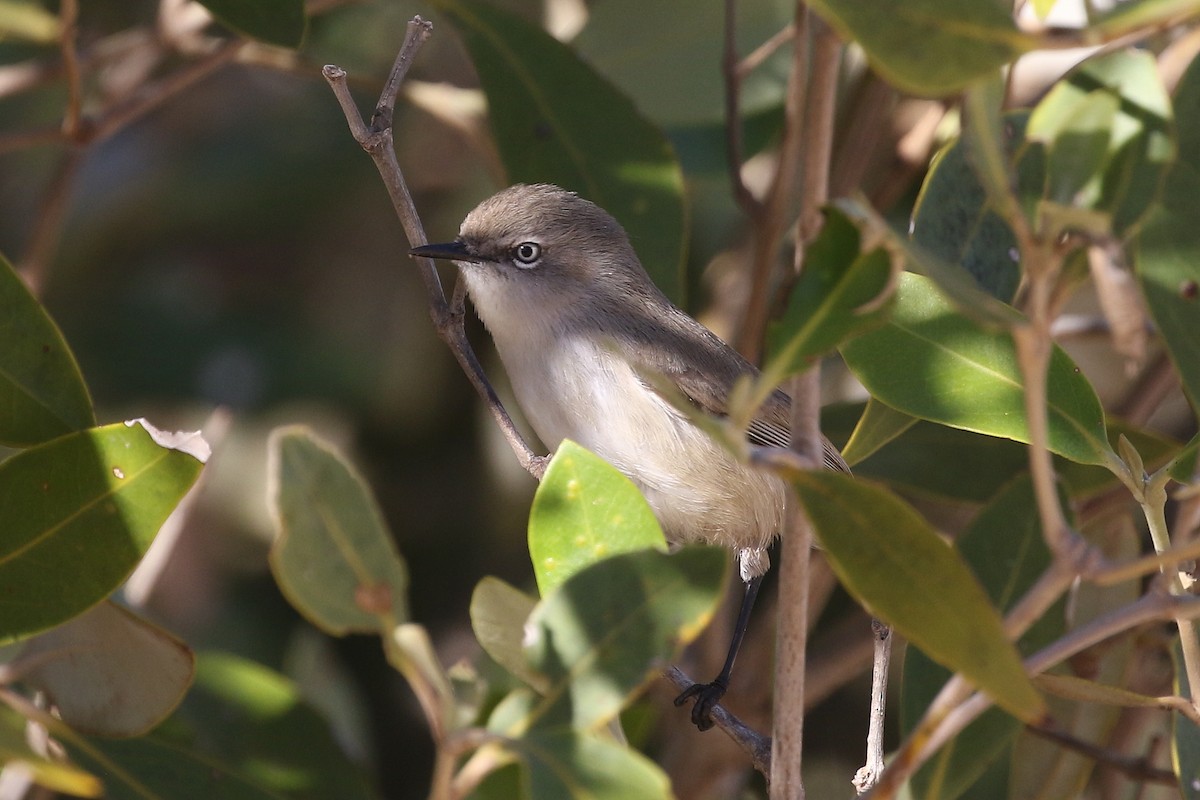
<point x="229" y="260"/>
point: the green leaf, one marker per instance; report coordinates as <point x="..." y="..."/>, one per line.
<point x="930" y="362"/>
<point x="604" y="634"/>
<point x="42" y="394"/>
<point x="253" y="721"/>
<point x="27" y="20"/>
<point x="878" y="425"/>
<point x="109" y="672"/>
<point x="929" y="47"/>
<point x="498" y="615"/>
<point x="951" y="278"/>
<point x="841" y="291"/>
<point x="556" y="121"/>
<point x="1110" y="141"/>
<point x="563" y="764"/>
<point x="889" y="558"/>
<point x="954" y="221"/>
<point x="80" y="512"/>
<point x="684" y="91"/>
<point x="333" y="556"/>
<point x="58" y="776"/>
<point x="280" y="22"/>
<point x="1005" y="549"/>
<point x="1167" y="261"/>
<point x="1183" y="468"/>
<point x="585" y="510"/>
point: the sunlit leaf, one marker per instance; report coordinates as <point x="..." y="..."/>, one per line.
<point x="25" y="19"/>
<point x="585" y="510"/>
<point x="16" y="755"/>
<point x="889" y="558"/>
<point x="929" y="47"/>
<point x="80" y="512"/>
<point x="333" y="556"/>
<point x="109" y="671"/>
<point x="42" y="394"/>
<point x="878" y="425"/>
<point x="556" y="121"/>
<point x="604" y="634"/>
<point x="280" y="22"/>
<point x="932" y="363"/>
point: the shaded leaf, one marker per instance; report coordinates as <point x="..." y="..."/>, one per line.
<point x="585" y="510"/>
<point x="1167" y="258"/>
<point x="42" y="394"/>
<point x="498" y="615"/>
<point x="80" y="512"/>
<point x="110" y="672"/>
<point x="556" y="121"/>
<point x="929" y="47"/>
<point x="930" y="362"/>
<point x="333" y="556"/>
<point x="683" y="91"/>
<point x="563" y="764"/>
<point x="1005" y="549"/>
<point x="1183" y="468"/>
<point x="841" y="291"/>
<point x="1073" y="688"/>
<point x="889" y="558"/>
<point x="604" y="634"/>
<point x="1185" y="734"/>
<point x="280" y="22"/>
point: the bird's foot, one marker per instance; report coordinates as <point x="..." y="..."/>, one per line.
<point x="707" y="696"/>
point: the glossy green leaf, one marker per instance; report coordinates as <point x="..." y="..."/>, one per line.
<point x="605" y="633"/>
<point x="498" y="615"/>
<point x="841" y="291"/>
<point x="932" y="363"/>
<point x="109" y="672"/>
<point x="80" y="512"/>
<point x="42" y="394"/>
<point x="878" y="425"/>
<point x="683" y="92"/>
<point x="585" y="510"/>
<point x="889" y="558"/>
<point x="16" y="753"/>
<point x="280" y="22"/>
<point x="563" y="764"/>
<point x="1005" y="549"/>
<point x="333" y="556"/>
<point x="1109" y="136"/>
<point x="556" y="121"/>
<point x="929" y="47"/>
<point x="1084" y="481"/>
<point x="1167" y="258"/>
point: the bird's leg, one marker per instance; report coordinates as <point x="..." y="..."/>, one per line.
<point x="709" y="694"/>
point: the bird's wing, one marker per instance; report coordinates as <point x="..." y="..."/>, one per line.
<point x="707" y="380"/>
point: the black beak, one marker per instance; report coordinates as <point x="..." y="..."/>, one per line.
<point x="454" y="251"/>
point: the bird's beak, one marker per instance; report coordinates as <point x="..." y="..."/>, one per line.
<point x="454" y="251"/>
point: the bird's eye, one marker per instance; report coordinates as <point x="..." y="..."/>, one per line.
<point x="527" y="253"/>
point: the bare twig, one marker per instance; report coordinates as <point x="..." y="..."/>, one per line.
<point x="68" y="15"/>
<point x="757" y="746"/>
<point x="733" y="115"/>
<point x="378" y="142"/>
<point x="869" y="774"/>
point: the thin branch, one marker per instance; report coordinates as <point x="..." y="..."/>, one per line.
<point x="757" y="746"/>
<point x="765" y="50"/>
<point x="869" y="774"/>
<point x="68" y="15"/>
<point x="1137" y="769"/>
<point x="448" y="321"/>
<point x="733" y="115"/>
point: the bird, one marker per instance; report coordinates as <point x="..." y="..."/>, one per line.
<point x="579" y="326"/>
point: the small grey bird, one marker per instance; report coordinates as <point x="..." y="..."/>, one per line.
<point x="578" y="323"/>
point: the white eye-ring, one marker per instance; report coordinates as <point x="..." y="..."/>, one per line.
<point x="527" y="253"/>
